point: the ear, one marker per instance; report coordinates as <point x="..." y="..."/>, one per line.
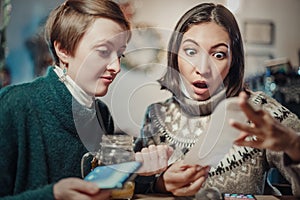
<point x="61" y="53"/>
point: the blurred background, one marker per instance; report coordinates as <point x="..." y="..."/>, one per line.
<point x="270" y="29"/>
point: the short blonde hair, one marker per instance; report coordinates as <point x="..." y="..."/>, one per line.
<point x="68" y="22"/>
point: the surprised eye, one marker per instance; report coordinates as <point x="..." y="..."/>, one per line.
<point x="219" y="55"/>
<point x="190" y="52"/>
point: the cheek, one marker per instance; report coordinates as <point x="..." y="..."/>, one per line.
<point x="185" y="67"/>
<point x="94" y="67"/>
<point x="225" y="71"/>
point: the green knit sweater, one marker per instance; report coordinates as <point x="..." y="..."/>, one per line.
<point x="39" y="143"/>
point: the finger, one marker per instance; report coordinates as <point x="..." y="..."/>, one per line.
<point x="241" y="137"/>
<point x="187" y="174"/>
<point x="163" y="156"/>
<point x="145" y="150"/>
<point x="154" y="166"/>
<point x="244" y="127"/>
<point x="252" y="144"/>
<point x="102" y="195"/>
<point x="81" y="196"/>
<point x="170" y="151"/>
<point x="195" y="186"/>
<point x="251" y="114"/>
<point x="191" y="189"/>
<point x="139" y="157"/>
<point x="83" y="186"/>
<point x="202" y="172"/>
<point x="147" y="159"/>
<point x="143" y="170"/>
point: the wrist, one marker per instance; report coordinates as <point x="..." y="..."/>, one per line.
<point x="159" y="184"/>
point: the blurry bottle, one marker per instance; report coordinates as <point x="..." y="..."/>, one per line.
<point x="269" y="85"/>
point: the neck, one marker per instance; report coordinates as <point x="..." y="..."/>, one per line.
<point x="79" y="94"/>
<point x="193" y="107"/>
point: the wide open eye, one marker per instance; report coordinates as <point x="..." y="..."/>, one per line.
<point x="190" y="52"/>
<point x="219" y="55"/>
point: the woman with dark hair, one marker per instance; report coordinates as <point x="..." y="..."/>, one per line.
<point x="41" y="142"/>
<point x="206" y="66"/>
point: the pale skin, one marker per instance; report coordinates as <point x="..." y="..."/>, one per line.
<point x="75" y="188"/>
<point x="94" y="66"/>
<point x="154" y="159"/>
<point x="182" y="180"/>
<point x="96" y="62"/>
<point x="204" y="61"/>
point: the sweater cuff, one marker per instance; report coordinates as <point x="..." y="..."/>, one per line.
<point x="287" y="161"/>
<point x="144" y="184"/>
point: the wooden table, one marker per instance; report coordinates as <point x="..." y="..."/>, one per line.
<point x="168" y="197"/>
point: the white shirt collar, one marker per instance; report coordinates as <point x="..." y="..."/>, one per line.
<point x="79" y="94"/>
<point x="183" y="88"/>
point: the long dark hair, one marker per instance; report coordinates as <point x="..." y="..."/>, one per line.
<point x="207" y="12"/>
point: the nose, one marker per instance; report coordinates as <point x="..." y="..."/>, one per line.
<point x="115" y="65"/>
<point x="203" y="64"/>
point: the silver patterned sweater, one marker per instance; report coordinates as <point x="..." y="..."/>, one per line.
<point x="243" y="169"/>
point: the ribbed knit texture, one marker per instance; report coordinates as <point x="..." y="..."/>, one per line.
<point x="39" y="142"/>
<point x="242" y="170"/>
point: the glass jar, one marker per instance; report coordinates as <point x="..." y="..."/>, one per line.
<point x="114" y="149"/>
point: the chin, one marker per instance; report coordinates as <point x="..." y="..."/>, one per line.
<point x="100" y="93"/>
<point x="100" y="90"/>
<point x="201" y="97"/>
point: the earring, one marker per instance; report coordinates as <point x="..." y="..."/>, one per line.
<point x="63" y="77"/>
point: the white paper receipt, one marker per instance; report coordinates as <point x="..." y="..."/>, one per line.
<point x="218" y="138"/>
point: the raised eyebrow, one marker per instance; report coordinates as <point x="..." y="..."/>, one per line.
<point x="192" y="41"/>
<point x="220" y="45"/>
<point x="213" y="47"/>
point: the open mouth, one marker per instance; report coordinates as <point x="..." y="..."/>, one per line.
<point x="200" y="85"/>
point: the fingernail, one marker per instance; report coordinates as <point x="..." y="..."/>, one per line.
<point x="207" y="168"/>
<point x="198" y="168"/>
<point x="94" y="188"/>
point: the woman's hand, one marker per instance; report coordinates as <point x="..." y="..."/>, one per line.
<point x="154" y="159"/>
<point x="75" y="188"/>
<point x="267" y="132"/>
<point x="182" y="180"/>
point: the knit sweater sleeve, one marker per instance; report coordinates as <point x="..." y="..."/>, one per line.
<point x="43" y="193"/>
<point x="11" y="122"/>
<point x="279" y="160"/>
<point x="8" y="146"/>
